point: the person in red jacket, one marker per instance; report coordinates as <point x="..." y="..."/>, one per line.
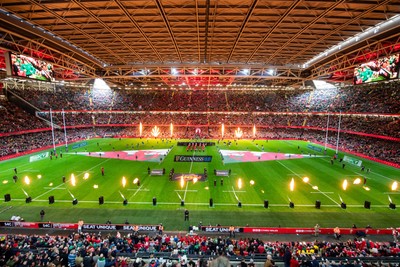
<point x="294" y="262"/>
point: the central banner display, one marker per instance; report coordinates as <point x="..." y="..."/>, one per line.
<point x="186" y="158"/>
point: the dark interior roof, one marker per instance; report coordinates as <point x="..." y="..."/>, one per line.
<point x="208" y="42"/>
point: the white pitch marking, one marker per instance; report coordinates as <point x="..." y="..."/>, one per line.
<point x="186" y="190"/>
<point x="58" y="188"/>
<point x="321" y="192"/>
<point x="233" y="190"/>
<point x="138" y="189"/>
<point x="202" y="204"/>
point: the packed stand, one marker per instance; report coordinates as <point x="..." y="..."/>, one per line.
<point x="86" y="249"/>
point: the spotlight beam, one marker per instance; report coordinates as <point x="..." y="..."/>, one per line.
<point x="121" y="195"/>
<point x="73" y="197"/>
<point x="26" y="194"/>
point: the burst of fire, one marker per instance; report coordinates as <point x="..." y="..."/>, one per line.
<point x="292" y="184"/>
<point x="238" y="133"/>
<point x="140" y="129"/>
<point x="315" y="187"/>
<point x="27" y="180"/>
<point x="136" y="180"/>
<point x="39" y="176"/>
<point x="73" y="180"/>
<point x="195" y="180"/>
<point x="155" y="131"/>
<point x="171" y="128"/>
<point x="366" y="188"/>
<point x="357" y="181"/>
<point x="239" y="183"/>
<point x="251" y="182"/>
<point x="182" y="181"/>
<point x="86" y="176"/>
<point x="254" y="130"/>
<point x="344" y="185"/>
<point x="306" y="179"/>
<point x="222" y="130"/>
<point x="95" y="186"/>
<point x="123" y="181"/>
<point x="394" y="186"/>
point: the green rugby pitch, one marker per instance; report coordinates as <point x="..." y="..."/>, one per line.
<point x="264" y="168"/>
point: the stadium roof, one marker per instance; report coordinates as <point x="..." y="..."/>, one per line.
<point x="208" y="42"/>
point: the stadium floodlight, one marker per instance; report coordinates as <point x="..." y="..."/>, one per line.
<point x="391" y="204"/>
<point x="100" y="84"/>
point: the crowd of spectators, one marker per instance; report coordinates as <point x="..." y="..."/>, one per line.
<point x="380" y="98"/>
<point x="88" y="249"/>
<point x="275" y="113"/>
<point x="370" y="124"/>
<point x="14" y="118"/>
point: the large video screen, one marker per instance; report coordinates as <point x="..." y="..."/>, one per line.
<point x="23" y="66"/>
<point x="382" y="69"/>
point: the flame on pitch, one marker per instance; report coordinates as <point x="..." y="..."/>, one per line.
<point x="86" y="176"/>
<point x="222" y="130"/>
<point x="123" y="181"/>
<point x="291" y="185"/>
<point x="136" y="180"/>
<point x="357" y="181"/>
<point x="182" y="181"/>
<point x="344" y="184"/>
<point x="171" y="128"/>
<point x="155" y="131"/>
<point x="238" y="132"/>
<point x="27" y="180"/>
<point x="239" y="183"/>
<point x="195" y="180"/>
<point x="394" y="186"/>
<point x="306" y="179"/>
<point x="254" y="130"/>
<point x="140" y="129"/>
<point x="73" y="180"/>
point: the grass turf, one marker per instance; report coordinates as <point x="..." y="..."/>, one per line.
<point x="271" y="182"/>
